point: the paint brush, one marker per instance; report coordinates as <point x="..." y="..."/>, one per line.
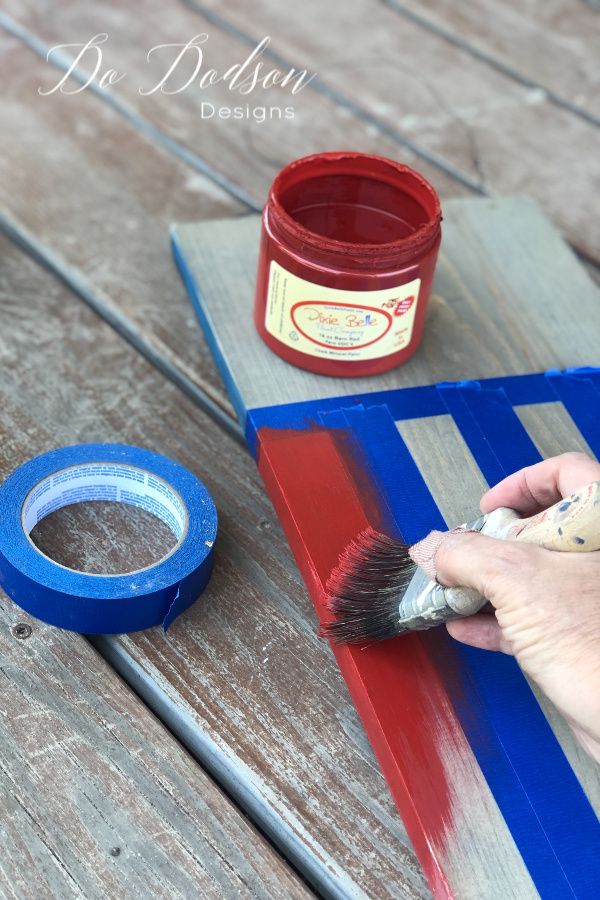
<point x="376" y="591"/>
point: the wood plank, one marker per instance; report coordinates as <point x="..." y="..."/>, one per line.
<point x="145" y="172"/>
<point x="166" y="326"/>
<point x="98" y="798"/>
<point x="85" y="767"/>
<point x="241" y="678"/>
<point x="480" y="315"/>
<point x="504" y="285"/>
<point x="458" y="833"/>
<point x="553" y="433"/>
<point x="552" y="43"/>
<point x="248" y="151"/>
<point x="102" y="200"/>
<point x="133" y="188"/>
<point x="475" y="119"/>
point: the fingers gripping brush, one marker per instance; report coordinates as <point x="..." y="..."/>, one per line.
<point x="376" y="591"/>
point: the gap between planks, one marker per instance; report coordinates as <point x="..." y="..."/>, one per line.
<point x="77" y="779"/>
<point x="332" y="93"/>
<point x="274" y="828"/>
<point x="489" y="59"/>
<point x="63" y="62"/>
<point x="204" y="753"/>
<point x="80" y="287"/>
<point x="44" y="258"/>
<point x="330" y="880"/>
<point x="364" y="114"/>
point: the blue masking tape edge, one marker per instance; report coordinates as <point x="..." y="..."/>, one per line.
<point x="536" y="794"/>
<point x="491" y="428"/>
<point x="105" y="604"/>
<point x="210" y="334"/>
<point x="471" y="430"/>
<point x="403" y="403"/>
<point x="579" y="392"/>
<point x="550" y="786"/>
<point x="563" y="859"/>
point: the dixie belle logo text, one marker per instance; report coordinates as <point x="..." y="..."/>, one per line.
<point x="177" y="67"/>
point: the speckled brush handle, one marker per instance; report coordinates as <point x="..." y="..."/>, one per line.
<point x="572" y="525"/>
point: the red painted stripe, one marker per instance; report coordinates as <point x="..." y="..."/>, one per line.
<point x="395" y="686"/>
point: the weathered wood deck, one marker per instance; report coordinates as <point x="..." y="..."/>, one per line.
<point x="483" y="98"/>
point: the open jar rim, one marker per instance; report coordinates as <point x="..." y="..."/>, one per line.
<point x="379" y="255"/>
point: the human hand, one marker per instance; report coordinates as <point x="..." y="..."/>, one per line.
<point x="546" y="603"/>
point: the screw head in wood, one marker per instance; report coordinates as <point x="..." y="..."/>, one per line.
<point x="115" y="851"/>
<point x="22" y="631"/>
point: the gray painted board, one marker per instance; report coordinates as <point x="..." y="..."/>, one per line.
<point x="509" y="298"/>
<point x="504" y="276"/>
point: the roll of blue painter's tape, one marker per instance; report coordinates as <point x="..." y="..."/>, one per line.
<point x="106" y="604"/>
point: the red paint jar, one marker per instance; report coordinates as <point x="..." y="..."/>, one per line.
<point x="348" y="250"/>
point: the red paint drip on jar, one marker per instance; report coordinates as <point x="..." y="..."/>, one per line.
<point x="348" y="251"/>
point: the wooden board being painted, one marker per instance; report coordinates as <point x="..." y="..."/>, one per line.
<point x="509" y="297"/>
<point x="509" y="300"/>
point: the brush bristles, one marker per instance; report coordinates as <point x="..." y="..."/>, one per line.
<point x="364" y="589"/>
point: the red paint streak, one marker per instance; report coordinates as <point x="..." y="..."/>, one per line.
<point x="395" y="685"/>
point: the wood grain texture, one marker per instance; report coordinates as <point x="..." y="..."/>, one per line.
<point x="553" y="43"/>
<point x="102" y="200"/>
<point x="462" y="842"/>
<point x="273" y="719"/>
<point x="480" y="317"/>
<point x="84" y="766"/>
<point x="142" y="183"/>
<point x="432" y="442"/>
<point x="98" y="799"/>
<point x="485" y="125"/>
<point x="241" y="677"/>
<point x="248" y="151"/>
<point x="95" y="160"/>
<point x="509" y="274"/>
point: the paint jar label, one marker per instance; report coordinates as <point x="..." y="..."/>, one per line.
<point x="331" y="323"/>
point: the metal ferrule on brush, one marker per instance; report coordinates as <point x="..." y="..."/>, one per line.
<point x="372" y="572"/>
<point x="377" y="591"/>
<point x="426" y="603"/>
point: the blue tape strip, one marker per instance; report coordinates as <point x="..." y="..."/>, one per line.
<point x="394" y="472"/>
<point x="579" y="391"/>
<point x="548" y="814"/>
<point x="358" y="424"/>
<point x="403" y="403"/>
<point x="545" y="808"/>
<point x="545" y="779"/>
<point x="105" y="604"/>
<point x="491" y="428"/>
<point x="543" y="804"/>
<point x="210" y="334"/>
<point x="471" y="430"/>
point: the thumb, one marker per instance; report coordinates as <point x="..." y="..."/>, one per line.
<point x="489" y="565"/>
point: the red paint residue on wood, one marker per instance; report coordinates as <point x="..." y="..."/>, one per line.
<point x="395" y="684"/>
